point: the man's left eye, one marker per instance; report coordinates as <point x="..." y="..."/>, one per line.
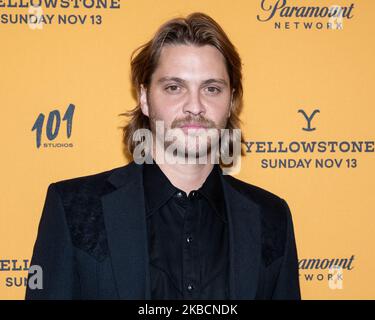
<point x="172" y="88"/>
<point x="213" y="90"/>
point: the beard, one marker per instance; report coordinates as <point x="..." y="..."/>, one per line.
<point x="188" y="144"/>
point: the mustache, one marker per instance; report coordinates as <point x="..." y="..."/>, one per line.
<point x="193" y="120"/>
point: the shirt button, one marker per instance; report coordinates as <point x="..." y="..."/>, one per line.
<point x="189" y="239"/>
<point x="179" y="194"/>
<point x="190" y="287"/>
<point x="193" y="195"/>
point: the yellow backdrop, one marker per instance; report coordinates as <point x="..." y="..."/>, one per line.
<point x="291" y="62"/>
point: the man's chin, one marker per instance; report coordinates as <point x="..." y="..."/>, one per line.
<point x="192" y="153"/>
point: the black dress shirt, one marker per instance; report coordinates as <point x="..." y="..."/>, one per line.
<point x="187" y="237"/>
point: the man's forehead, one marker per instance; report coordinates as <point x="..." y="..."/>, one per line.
<point x="190" y="63"/>
<point x="182" y="52"/>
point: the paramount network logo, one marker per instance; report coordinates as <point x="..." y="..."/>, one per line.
<point x="50" y="129"/>
<point x="330" y="270"/>
<point x="285" y="14"/>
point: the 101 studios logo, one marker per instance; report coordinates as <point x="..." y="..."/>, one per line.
<point x="52" y="127"/>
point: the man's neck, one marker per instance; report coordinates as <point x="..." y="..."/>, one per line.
<point x="186" y="177"/>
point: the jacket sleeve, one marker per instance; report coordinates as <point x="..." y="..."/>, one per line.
<point x="287" y="286"/>
<point x="53" y="252"/>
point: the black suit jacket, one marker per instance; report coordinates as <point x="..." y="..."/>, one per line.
<point x="92" y="240"/>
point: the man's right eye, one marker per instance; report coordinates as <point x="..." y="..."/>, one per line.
<point x="172" y="88"/>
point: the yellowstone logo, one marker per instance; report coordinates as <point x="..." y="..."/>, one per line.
<point x="284" y="15"/>
<point x="309" y="119"/>
<point x="12" y="12"/>
<point x="319" y="149"/>
<point x="15" y="272"/>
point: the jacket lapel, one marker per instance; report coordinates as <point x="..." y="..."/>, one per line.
<point x="244" y="243"/>
<point x="125" y="221"/>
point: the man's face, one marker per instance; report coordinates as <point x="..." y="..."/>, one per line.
<point x="189" y="90"/>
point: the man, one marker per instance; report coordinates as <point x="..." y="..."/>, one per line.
<point x="171" y="229"/>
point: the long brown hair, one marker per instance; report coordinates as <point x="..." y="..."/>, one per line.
<point x="196" y="29"/>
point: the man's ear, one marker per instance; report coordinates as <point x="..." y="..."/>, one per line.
<point x="143" y="100"/>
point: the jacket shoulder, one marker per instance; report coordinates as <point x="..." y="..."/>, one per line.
<point x="94" y="183"/>
<point x="81" y="199"/>
<point x="259" y="195"/>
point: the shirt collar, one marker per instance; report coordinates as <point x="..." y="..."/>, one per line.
<point x="158" y="189"/>
<point x="212" y="190"/>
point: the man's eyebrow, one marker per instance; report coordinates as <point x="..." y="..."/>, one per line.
<point x="182" y="81"/>
<point x="221" y="81"/>
<point x="175" y="79"/>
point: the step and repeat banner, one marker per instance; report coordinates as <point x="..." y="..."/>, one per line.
<point x="308" y="117"/>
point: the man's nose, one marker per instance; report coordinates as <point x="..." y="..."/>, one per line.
<point x="194" y="103"/>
